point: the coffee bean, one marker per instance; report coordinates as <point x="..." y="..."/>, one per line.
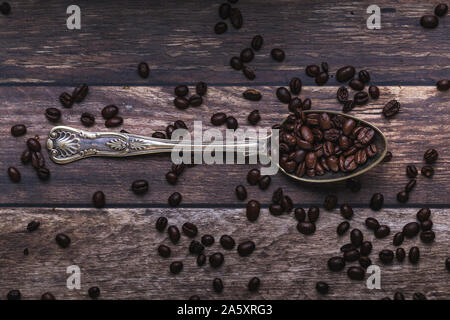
<point x="33" y="226"/>
<point x="25" y="157"/>
<point x="14" y="174"/>
<point x="33" y="145"/>
<point x="195" y="100"/>
<point x="180" y="91"/>
<point x="253" y="176"/>
<point x="264" y="182"/>
<point x="391" y="108"/>
<point x="216" y="259"/>
<point x="246" y="248"/>
<point x="257" y="42"/>
<point x="196" y="247"/>
<point x="356" y="84"/>
<point x="414" y="255"/>
<point x="426" y="225"/>
<point x="43" y="173"/>
<point x="254" y="284"/>
<point x="400" y="254"/>
<point x="177" y="168"/>
<point x="330" y="202"/>
<point x="321" y="78"/>
<point x="179" y="124"/>
<point x="181" y="103"/>
<point x="365" y="262"/>
<point x="94" y="292"/>
<point x="295" y="85"/>
<point x="312" y="70"/>
<point x="342" y="228"/>
<point x="427" y="236"/>
<point x="364" y="76"/>
<point x="283" y="95"/>
<point x="374" y="92"/>
<point x="248" y="73"/>
<point x="231" y="123"/>
<point x="143" y="70"/>
<point x="48" y="296"/>
<point x="79" y="94"/>
<point x="382" y="232"/>
<point x="169" y="130"/>
<point x="224" y="10"/>
<point x="411" y="229"/>
<point x="241" y="192"/>
<point x="174" y="199"/>
<point x="351" y="255"/>
<point x="275" y="209"/>
<point x="253" y="208"/>
<point x="98" y="199"/>
<point x="398" y="239"/>
<point x="345" y="73"/>
<point x="87" y="119"/>
<point x="354" y="185"/>
<point x="402" y="196"/>
<point x="443" y="85"/>
<point x="306" y="228"/>
<point x="346" y="211"/>
<point x="376" y="202"/>
<point x="236" y="18"/>
<point x="5" y="8"/>
<point x="227" y="242"/>
<point x="189" y="229"/>
<point x="236" y="63"/>
<point x="441" y="10"/>
<point x="66" y="100"/>
<point x="411" y="171"/>
<point x="429" y="21"/>
<point x="217" y="285"/>
<point x="52" y="114"/>
<point x="18" y="130"/>
<point x="348" y="106"/>
<point x="387" y="157"/>
<point x="277" y="54"/>
<point x="336" y="264"/>
<point x="171" y="177"/>
<point x="300" y="214"/>
<point x="201" y="259"/>
<point x="361" y="98"/>
<point x="164" y="251"/>
<point x="247" y="55"/>
<point x="174" y="234"/>
<point x="161" y="224"/>
<point x="252" y="95"/>
<point x="114" y="122"/>
<point x="62" y="240"/>
<point x="356" y="237"/>
<point x="254" y="117"/>
<point x="399" y="296"/>
<point x="430" y="156"/>
<point x="37" y="160"/>
<point x="14" y="294"/>
<point x="347" y="247"/>
<point x="447" y="264"/>
<point x="322" y="287"/>
<point x="423" y="214"/>
<point x="218" y="119"/>
<point x="207" y="240"/>
<point x="342" y="94"/>
<point x="220" y="27"/>
<point x="386" y="256"/>
<point x="427" y="171"/>
<point x="419" y="296"/>
<point x="306" y="105"/>
<point x="176" y="267"/>
<point x="356" y="273"/>
<point x="366" y="248"/>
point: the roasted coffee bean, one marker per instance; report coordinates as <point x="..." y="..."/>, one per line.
<point x="376" y="202"/>
<point x="287" y="204"/>
<point x="87" y="119"/>
<point x="364" y="76"/>
<point x="189" y="229"/>
<point x="374" y="92"/>
<point x="217" y="285"/>
<point x="295" y="85"/>
<point x="218" y="119"/>
<point x="361" y="98"/>
<point x="254" y="117"/>
<point x="387" y="157"/>
<point x="400" y="254"/>
<point x="13" y="294"/>
<point x="430" y="156"/>
<point x="110" y="111"/>
<point x="322" y="287"/>
<point x="34" y="145"/>
<point x="277" y="195"/>
<point x="247" y="55"/>
<point x="139" y="186"/>
<point x="313" y="214"/>
<point x="177" y="168"/>
<point x="48" y="296"/>
<point x="423" y="214"/>
<point x="227" y="242"/>
<point x="353" y="184"/>
<point x="224" y="10"/>
<point x="33" y="226"/>
<point x="356" y="237"/>
<point x="443" y="85"/>
<point x="164" y="251"/>
<point x="312" y="70"/>
<point x="277" y="54"/>
<point x="196" y="247"/>
<point x="37" y="160"/>
<point x="176" y="267"/>
<point x="429" y="21"/>
<point x="398" y="239"/>
<point x="94" y="292"/>
<point x="43" y="173"/>
<point x="441" y="10"/>
<point x="447" y="264"/>
<point x="411" y="171"/>
<point x="306" y="105"/>
<point x="62" y="240"/>
<point x="283" y="95"/>
<point x="252" y="94"/>
<point x="414" y="255"/>
<point x="411" y="229"/>
<point x="342" y="94"/>
<point x="174" y="199"/>
<point x="14" y="174"/>
<point x="66" y="100"/>
<point x="264" y="182"/>
<point x="386" y="256"/>
<point x="336" y="264"/>
<point x="161" y="224"/>
<point x="180" y="91"/>
<point x="236" y="63"/>
<point x="181" y="103"/>
<point x="402" y="196"/>
<point x="18" y="130"/>
<point x="391" y="108"/>
<point x="98" y="199"/>
<point x="5" y="8"/>
<point x="236" y="18"/>
<point x="207" y="240"/>
<point x="257" y="42"/>
<point x="254" y="284"/>
<point x="342" y="228"/>
<point x="195" y="100"/>
<point x="25" y="157"/>
<point x="143" y="70"/>
<point x="216" y="259"/>
<point x="427" y="236"/>
<point x="241" y="192"/>
<point x="351" y="255"/>
<point x="171" y="177"/>
<point x="253" y="176"/>
<point x="325" y="67"/>
<point x="179" y="124"/>
<point x="399" y="296"/>
<point x="253" y="208"/>
<point x="174" y="234"/>
<point x="427" y="171"/>
<point x="348" y="106"/>
<point x="248" y="73"/>
<point x="201" y="259"/>
<point x="246" y="248"/>
<point x="300" y="214"/>
<point x="356" y="273"/>
<point x="347" y="247"/>
<point x="306" y="228"/>
<point x="346" y="211"/>
<point x="80" y="93"/>
<point x="295" y="105"/>
<point x="330" y="202"/>
<point x="419" y="296"/>
<point x="366" y="248"/>
<point x="382" y="232"/>
<point x="356" y="84"/>
<point x="321" y="78"/>
<point x="231" y="123"/>
<point x="345" y="73"/>
<point x="365" y="262"/>
<point x="201" y="88"/>
<point x="169" y="130"/>
<point x="426" y="225"/>
<point x="52" y="114"/>
<point x="114" y="122"/>
<point x="220" y="27"/>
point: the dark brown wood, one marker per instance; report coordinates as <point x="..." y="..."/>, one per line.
<point x="178" y="42"/>
<point x="116" y="250"/>
<point x="422" y="123"/>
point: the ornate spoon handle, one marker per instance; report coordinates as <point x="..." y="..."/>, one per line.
<point x="66" y="144"/>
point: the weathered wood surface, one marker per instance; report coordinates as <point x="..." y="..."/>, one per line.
<point x="116" y="250"/>
<point x="423" y="123"/>
<point x="178" y="41"/>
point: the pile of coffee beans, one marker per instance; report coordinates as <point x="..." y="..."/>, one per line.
<point x="314" y="143"/>
<point x="221" y="118"/>
<point x="320" y="75"/>
<point x="226" y="11"/>
<point x="431" y="21"/>
<point x="77" y="96"/>
<point x="182" y="102"/>
<point x="245" y="57"/>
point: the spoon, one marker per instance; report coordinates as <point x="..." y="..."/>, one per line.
<point x="66" y="144"/>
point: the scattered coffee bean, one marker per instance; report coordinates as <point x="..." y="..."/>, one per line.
<point x="14" y="295"/>
<point x="313" y="214"/>
<point x="34" y="145"/>
<point x="25" y="157"/>
<point x="376" y="202"/>
<point x="236" y="18"/>
<point x="402" y="196"/>
<point x="37" y="160"/>
<point x="411" y="229"/>
<point x="257" y="42"/>
<point x="342" y="228"/>
<point x="114" y="122"/>
<point x="400" y="254"/>
<point x="43" y="173"/>
<point x="174" y="234"/>
<point x="79" y="94"/>
<point x="196" y="247"/>
<point x="143" y="70"/>
<point x="195" y="100"/>
<point x="224" y="11"/>
<point x="176" y="267"/>
<point x="398" y="239"/>
<point x="443" y="85"/>
<point x="399" y="296"/>
<point x="414" y="255"/>
<point x="295" y="85"/>
<point x="180" y="91"/>
<point x="430" y="156"/>
<point x="427" y="236"/>
<point x="365" y="262"/>
<point x="181" y="103"/>
<point x="253" y="208"/>
<point x="164" y="251"/>
<point x="361" y="98"/>
<point x="5" y="8"/>
<point x="241" y="192"/>
<point x="336" y="264"/>
<point x="94" y="292"/>
<point x="312" y="70"/>
<point x="252" y="94"/>
<point x="356" y="84"/>
<point x="325" y="67"/>
<point x="306" y="228"/>
<point x="346" y="211"/>
<point x="287" y="204"/>
<point x="14" y="174"/>
<point x="201" y="259"/>
<point x="253" y="284"/>
<point x="247" y="55"/>
<point x="254" y="117"/>
<point x="300" y="214"/>
<point x="426" y="225"/>
<point x="236" y="63"/>
<point x="264" y="182"/>
<point x="227" y="242"/>
<point x="218" y="119"/>
<point x="174" y="199"/>
<point x="391" y="108"/>
<point x="87" y="119"/>
<point x="277" y="54"/>
<point x="207" y="240"/>
<point x="161" y="224"/>
<point x="351" y="255"/>
<point x="372" y="223"/>
<point x="321" y="78"/>
<point x="366" y="248"/>
<point x="217" y="285"/>
<point x="231" y="123"/>
<point x="48" y="296"/>
<point x="386" y="256"/>
<point x="419" y="296"/>
<point x="322" y="287"/>
<point x="348" y="106"/>
<point x="342" y="94"/>
<point x="33" y="226"/>
<point x="364" y="76"/>
<point x="356" y="237"/>
<point x="427" y="171"/>
<point x="347" y="247"/>
<point x="98" y="199"/>
<point x="253" y="176"/>
<point x="52" y="114"/>
<point x="220" y="27"/>
<point x="66" y="100"/>
<point x="189" y="229"/>
<point x="246" y="248"/>
<point x="441" y="10"/>
<point x="356" y="273"/>
<point x="62" y="240"/>
<point x="345" y="73"/>
<point x="423" y="214"/>
<point x="306" y="105"/>
<point x="330" y="202"/>
<point x="216" y="259"/>
<point x="374" y="92"/>
<point x="382" y="232"/>
<point x="248" y="73"/>
<point x="411" y="171"/>
<point x="429" y="21"/>
<point x="283" y="95"/>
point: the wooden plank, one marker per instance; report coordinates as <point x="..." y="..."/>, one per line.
<point x="423" y="123"/>
<point x="178" y="41"/>
<point x="116" y="250"/>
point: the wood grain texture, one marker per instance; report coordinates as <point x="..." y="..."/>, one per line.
<point x="116" y="250"/>
<point x="178" y="41"/>
<point x="422" y="123"/>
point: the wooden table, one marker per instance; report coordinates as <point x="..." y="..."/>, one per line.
<point x="115" y="247"/>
